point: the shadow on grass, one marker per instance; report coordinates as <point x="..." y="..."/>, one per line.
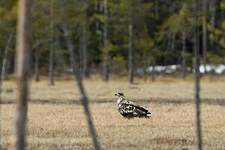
<point x="220" y="102"/>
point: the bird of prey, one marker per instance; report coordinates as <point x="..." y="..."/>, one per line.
<point x="129" y="109"/>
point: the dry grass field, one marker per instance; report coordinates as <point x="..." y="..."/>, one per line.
<point x="56" y="119"/>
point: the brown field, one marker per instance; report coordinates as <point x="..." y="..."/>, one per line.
<point x="56" y="119"/>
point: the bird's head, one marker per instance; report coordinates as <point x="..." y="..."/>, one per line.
<point x="119" y="95"/>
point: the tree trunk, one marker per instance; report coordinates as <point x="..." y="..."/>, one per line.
<point x="213" y="19"/>
<point x="85" y="72"/>
<point x="85" y="55"/>
<point x="22" y="66"/>
<point x="153" y="72"/>
<point x="197" y="76"/>
<point x="80" y="58"/>
<point x="51" y="66"/>
<point x="51" y="53"/>
<point x="130" y="55"/>
<point x="84" y="98"/>
<point x="173" y="41"/>
<point x="105" y="43"/>
<point x="0" y="110"/>
<point x="36" y="65"/>
<point x="4" y="62"/>
<point x="184" y="68"/>
<point x="83" y="51"/>
<point x="205" y="32"/>
<point x="35" y="48"/>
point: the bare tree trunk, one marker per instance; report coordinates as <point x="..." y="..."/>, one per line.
<point x="153" y="72"/>
<point x="184" y="68"/>
<point x="84" y="98"/>
<point x="84" y="50"/>
<point x="51" y="66"/>
<point x="4" y="62"/>
<point x="0" y="112"/>
<point x="35" y="48"/>
<point x="205" y="32"/>
<point x="145" y="63"/>
<point x="80" y="58"/>
<point x="197" y="75"/>
<point x="23" y="54"/>
<point x="105" y="42"/>
<point x="213" y="19"/>
<point x="85" y="41"/>
<point x="36" y="66"/>
<point x="130" y="54"/>
<point x="51" y="54"/>
<point x="173" y="41"/>
<point x="156" y="16"/>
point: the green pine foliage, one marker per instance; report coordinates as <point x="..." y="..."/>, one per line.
<point x="158" y="27"/>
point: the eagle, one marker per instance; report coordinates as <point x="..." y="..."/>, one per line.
<point x="129" y="109"/>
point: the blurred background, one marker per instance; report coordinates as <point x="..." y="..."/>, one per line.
<point x="114" y="37"/>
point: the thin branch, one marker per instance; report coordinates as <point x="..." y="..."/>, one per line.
<point x="40" y="42"/>
<point x="4" y="62"/>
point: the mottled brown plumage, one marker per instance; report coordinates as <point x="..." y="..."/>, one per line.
<point x="130" y="109"/>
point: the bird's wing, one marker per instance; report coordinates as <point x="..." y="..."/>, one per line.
<point x="141" y="108"/>
<point x="126" y="107"/>
<point x="131" y="105"/>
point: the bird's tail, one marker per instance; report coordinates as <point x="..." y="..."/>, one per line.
<point x="148" y="114"/>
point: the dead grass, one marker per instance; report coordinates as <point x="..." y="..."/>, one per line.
<point x="98" y="91"/>
<point x="64" y="126"/>
<point x="55" y="123"/>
